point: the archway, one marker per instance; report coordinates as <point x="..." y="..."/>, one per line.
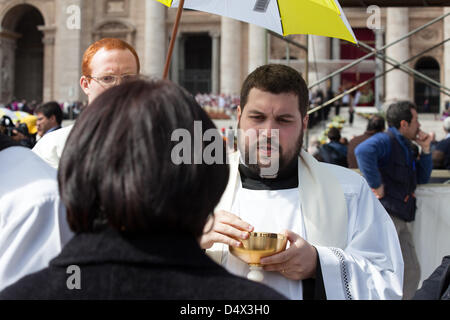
<point x="26" y="55"/>
<point x="426" y="97"/>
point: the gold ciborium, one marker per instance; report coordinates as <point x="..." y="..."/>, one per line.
<point x="258" y="245"/>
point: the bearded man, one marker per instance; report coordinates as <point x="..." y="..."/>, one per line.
<point x="330" y="216"/>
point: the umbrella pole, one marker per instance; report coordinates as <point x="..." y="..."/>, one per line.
<point x="307" y="84"/>
<point x="173" y="39"/>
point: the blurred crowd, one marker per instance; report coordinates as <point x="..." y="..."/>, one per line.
<point x="70" y="110"/>
<point x="358" y="98"/>
<point x="27" y="122"/>
<point x="334" y="148"/>
<point x="218" y="106"/>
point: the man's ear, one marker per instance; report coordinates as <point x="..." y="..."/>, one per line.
<point x="403" y="124"/>
<point x="305" y="122"/>
<point x="53" y="118"/>
<point x="84" y="84"/>
<point x="239" y="113"/>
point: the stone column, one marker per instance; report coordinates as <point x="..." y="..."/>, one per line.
<point x="230" y="56"/>
<point x="319" y="48"/>
<point x="49" y="58"/>
<point x="175" y="65"/>
<point x="336" y="55"/>
<point x="67" y="54"/>
<point x="379" y="68"/>
<point x="215" y="63"/>
<point x="446" y="58"/>
<point x="7" y="63"/>
<point x="155" y="38"/>
<point x="257" y="50"/>
<point x="397" y="81"/>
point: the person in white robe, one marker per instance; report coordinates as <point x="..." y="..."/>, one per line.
<point x="33" y="224"/>
<point x="32" y="218"/>
<point x="51" y="146"/>
<point x="342" y="243"/>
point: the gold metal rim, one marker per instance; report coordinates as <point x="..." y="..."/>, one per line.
<point x="267" y="235"/>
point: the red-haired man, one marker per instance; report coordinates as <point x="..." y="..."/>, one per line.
<point x="106" y="63"/>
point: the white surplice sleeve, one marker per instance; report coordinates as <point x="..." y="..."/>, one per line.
<point x="50" y="147"/>
<point x="33" y="222"/>
<point x="371" y="266"/>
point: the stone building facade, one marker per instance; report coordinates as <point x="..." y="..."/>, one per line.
<point x="42" y="42"/>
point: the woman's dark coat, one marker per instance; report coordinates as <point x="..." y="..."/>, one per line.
<point x="156" y="266"/>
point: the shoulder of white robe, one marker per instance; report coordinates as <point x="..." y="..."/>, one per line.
<point x="323" y="204"/>
<point x="226" y="201"/>
<point x="216" y="252"/>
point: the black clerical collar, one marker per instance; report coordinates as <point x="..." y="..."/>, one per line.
<point x="288" y="179"/>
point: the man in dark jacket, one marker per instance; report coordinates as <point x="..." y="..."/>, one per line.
<point x="49" y="118"/>
<point x="393" y="170"/>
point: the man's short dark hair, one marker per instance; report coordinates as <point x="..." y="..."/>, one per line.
<point x="51" y="109"/>
<point x="117" y="167"/>
<point x="399" y="111"/>
<point x="376" y="124"/>
<point x="334" y="134"/>
<point x="276" y="79"/>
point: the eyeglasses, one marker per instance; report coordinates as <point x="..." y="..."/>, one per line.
<point x="112" y="80"/>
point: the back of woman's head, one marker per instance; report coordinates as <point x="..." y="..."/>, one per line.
<point x="117" y="167"/>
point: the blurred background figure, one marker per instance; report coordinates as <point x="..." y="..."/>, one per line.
<point x="23" y="132"/>
<point x="136" y="213"/>
<point x="441" y="153"/>
<point x="334" y="152"/>
<point x="375" y="124"/>
<point x="366" y="96"/>
<point x="49" y="118"/>
<point x="354" y="101"/>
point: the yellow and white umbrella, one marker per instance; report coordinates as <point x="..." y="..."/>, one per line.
<point x="21" y="114"/>
<point x="8" y="113"/>
<point x="14" y="115"/>
<point x="285" y="17"/>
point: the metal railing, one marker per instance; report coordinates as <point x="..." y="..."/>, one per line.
<point x="378" y="53"/>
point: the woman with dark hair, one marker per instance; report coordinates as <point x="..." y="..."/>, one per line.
<point x="137" y="215"/>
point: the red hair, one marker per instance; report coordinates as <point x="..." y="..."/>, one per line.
<point x="107" y="44"/>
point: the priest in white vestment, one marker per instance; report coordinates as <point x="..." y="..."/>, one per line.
<point x="341" y="242"/>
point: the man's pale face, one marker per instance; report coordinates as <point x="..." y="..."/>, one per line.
<point x="44" y="124"/>
<point x="272" y="115"/>
<point x="108" y="62"/>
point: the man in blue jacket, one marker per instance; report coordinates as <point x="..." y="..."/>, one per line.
<point x="393" y="167"/>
